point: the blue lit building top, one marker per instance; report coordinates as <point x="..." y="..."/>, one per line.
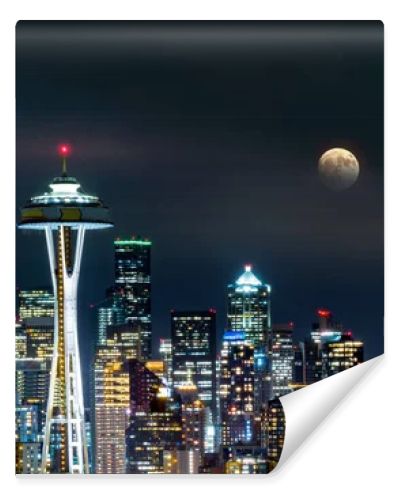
<point x="248" y="281"/>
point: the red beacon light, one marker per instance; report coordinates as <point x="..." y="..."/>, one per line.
<point x="64" y="150"/>
<point x="323" y="313"/>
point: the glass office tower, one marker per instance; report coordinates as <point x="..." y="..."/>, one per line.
<point x="133" y="281"/>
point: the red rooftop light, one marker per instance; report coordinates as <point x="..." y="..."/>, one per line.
<point x="323" y="313"/>
<point x="64" y="150"/>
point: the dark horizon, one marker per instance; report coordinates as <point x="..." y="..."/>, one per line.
<point x="205" y="137"/>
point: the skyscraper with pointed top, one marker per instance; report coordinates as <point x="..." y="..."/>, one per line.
<point x="64" y="214"/>
<point x="249" y="307"/>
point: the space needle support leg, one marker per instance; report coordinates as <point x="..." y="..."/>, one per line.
<point x="50" y="397"/>
<point x="77" y="448"/>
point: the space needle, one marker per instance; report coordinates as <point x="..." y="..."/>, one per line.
<point x="65" y="213"/>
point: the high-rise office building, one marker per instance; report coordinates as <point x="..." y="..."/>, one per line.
<point x="155" y="424"/>
<point x="326" y="327"/>
<point x="323" y="330"/>
<point x="68" y="212"/>
<point x="35" y="303"/>
<point x="111" y="396"/>
<point x="144" y="386"/>
<point x="34" y="350"/>
<point x="111" y="385"/>
<point x="36" y="316"/>
<point x="282" y="357"/>
<point x="32" y="378"/>
<point x="109" y="312"/>
<point x="249" y="308"/>
<point x="341" y="354"/>
<point x="194" y="419"/>
<point x="133" y="281"/>
<point x="125" y="337"/>
<point x="193" y="335"/>
<point x="299" y="372"/>
<point x="262" y="378"/>
<point x="236" y="389"/>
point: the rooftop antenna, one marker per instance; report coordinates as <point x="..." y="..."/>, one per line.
<point x="64" y="151"/>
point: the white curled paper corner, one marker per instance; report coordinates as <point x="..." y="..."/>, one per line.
<point x="308" y="407"/>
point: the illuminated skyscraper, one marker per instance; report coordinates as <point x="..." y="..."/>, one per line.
<point x="299" y="372"/>
<point x="111" y="396"/>
<point x="154" y="421"/>
<point x="322" y="331"/>
<point x="32" y="383"/>
<point x="249" y="308"/>
<point x="249" y="312"/>
<point x="34" y="350"/>
<point x="35" y="303"/>
<point x="111" y="386"/>
<point x="339" y="354"/>
<point x="109" y="312"/>
<point x="282" y="358"/>
<point x="194" y="419"/>
<point x="36" y="312"/>
<point x="133" y="281"/>
<point x="68" y="212"/>
<point x="193" y="335"/>
<point x="236" y="389"/>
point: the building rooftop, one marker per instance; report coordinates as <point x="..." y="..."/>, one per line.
<point x="248" y="281"/>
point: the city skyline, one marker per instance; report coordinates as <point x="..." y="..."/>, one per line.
<point x="191" y="162"/>
<point x="219" y="413"/>
<point x="243" y="167"/>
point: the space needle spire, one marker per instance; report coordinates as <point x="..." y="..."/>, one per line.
<point x="64" y="214"/>
<point x="64" y="150"/>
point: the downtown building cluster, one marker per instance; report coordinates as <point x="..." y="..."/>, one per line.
<point x="195" y="403"/>
<point x="201" y="404"/>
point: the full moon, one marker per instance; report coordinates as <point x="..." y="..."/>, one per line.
<point x="338" y="169"/>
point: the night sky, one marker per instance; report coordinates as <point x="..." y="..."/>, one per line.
<point x="205" y="137"/>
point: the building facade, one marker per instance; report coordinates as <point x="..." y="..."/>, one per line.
<point x="249" y="308"/>
<point x="237" y="390"/>
<point x="34" y="342"/>
<point x="133" y="282"/>
<point x="282" y="359"/>
<point x="341" y="354"/>
<point x="193" y="336"/>
<point x="111" y="401"/>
